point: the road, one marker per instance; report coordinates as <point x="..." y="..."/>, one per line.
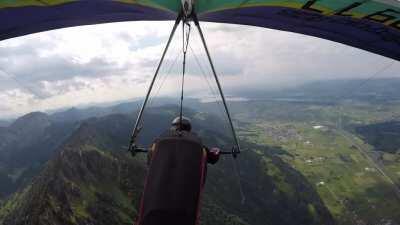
<point x="351" y="139"/>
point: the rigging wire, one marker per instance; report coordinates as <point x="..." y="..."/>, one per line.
<point x="163" y="79"/>
<point x="213" y="91"/>
<point x="20" y="84"/>
<point x="352" y="90"/>
<point x="235" y="149"/>
<point x="341" y="130"/>
<point x="236" y="165"/>
<point x="138" y="126"/>
<point x="185" y="44"/>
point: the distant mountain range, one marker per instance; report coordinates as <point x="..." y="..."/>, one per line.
<point x="85" y="175"/>
<point x="334" y="90"/>
<point x="31" y="140"/>
<point x="78" y="114"/>
<point x="5" y="123"/>
<point x="325" y="91"/>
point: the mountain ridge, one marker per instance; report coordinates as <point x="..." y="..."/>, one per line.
<point x="93" y="180"/>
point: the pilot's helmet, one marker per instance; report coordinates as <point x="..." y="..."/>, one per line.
<point x="185" y="125"/>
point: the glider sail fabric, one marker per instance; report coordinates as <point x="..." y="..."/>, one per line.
<point x="372" y="25"/>
<point x="21" y="17"/>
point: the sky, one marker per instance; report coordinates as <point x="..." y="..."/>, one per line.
<point x="106" y="63"/>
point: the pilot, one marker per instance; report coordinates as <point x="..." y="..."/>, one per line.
<point x="185" y="128"/>
<point x="175" y="180"/>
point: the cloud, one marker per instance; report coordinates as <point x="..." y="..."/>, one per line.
<point x="271" y="59"/>
<point x="110" y="62"/>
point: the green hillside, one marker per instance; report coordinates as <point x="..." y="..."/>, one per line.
<point x="94" y="181"/>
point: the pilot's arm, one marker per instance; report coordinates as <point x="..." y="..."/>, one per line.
<point x="150" y="153"/>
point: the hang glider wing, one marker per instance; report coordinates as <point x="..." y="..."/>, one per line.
<point x="372" y="25"/>
<point x="21" y="17"/>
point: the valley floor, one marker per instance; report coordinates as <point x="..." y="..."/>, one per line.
<point x="358" y="184"/>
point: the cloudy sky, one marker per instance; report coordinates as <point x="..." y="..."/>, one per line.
<point x="113" y="62"/>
